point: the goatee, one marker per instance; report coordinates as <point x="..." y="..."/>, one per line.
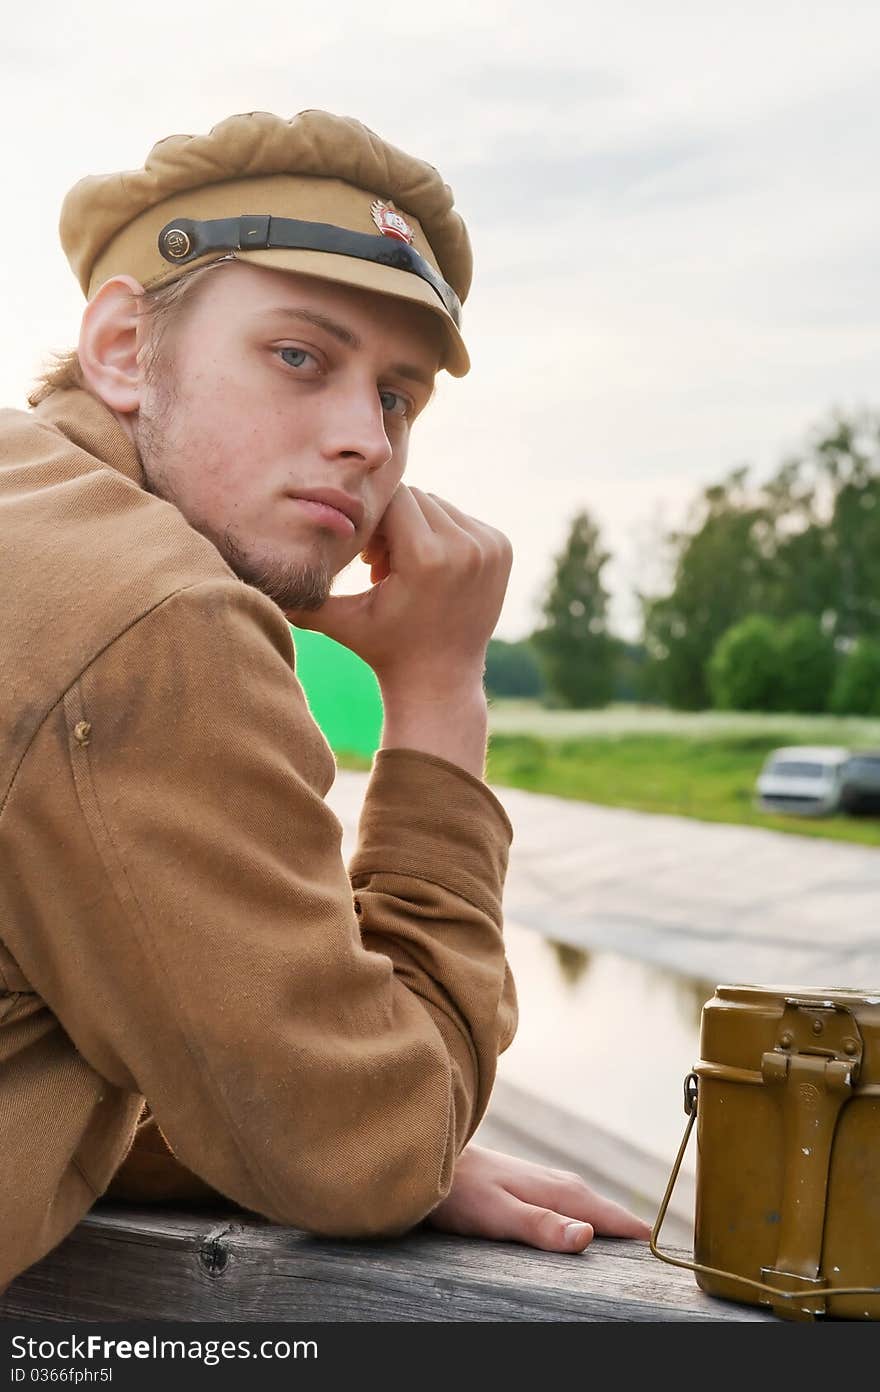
<point x="291" y="584"/>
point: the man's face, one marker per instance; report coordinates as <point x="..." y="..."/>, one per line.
<point x="269" y="386"/>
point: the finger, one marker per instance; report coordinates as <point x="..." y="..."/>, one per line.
<point x="441" y="517"/>
<point x="537" y="1226"/>
<point x="467" y="544"/>
<point x="462" y="519"/>
<point x="405" y="529"/>
<point x="569" y="1194"/>
<point x="375" y="548"/>
<point x="611" y="1219"/>
<point x="420" y="519"/>
<point x="380" y="570"/>
<point x="376" y="555"/>
<point x="339" y="617"/>
<point x="490" y="540"/>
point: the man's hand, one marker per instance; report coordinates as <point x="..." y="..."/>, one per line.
<point x="438" y="583"/>
<point x="510" y="1200"/>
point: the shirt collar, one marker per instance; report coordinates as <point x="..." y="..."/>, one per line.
<point x="88" y="423"/>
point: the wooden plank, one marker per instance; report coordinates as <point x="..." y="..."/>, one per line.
<point x="226" y="1265"/>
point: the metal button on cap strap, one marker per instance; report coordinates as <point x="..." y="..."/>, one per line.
<point x="175" y="243"/>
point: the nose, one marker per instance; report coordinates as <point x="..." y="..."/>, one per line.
<point x="354" y="428"/>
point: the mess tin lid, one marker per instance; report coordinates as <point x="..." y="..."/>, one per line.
<point x="742" y="1023"/>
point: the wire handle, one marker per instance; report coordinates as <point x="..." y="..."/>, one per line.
<point x="691" y="1089"/>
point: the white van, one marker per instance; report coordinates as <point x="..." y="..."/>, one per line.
<point x="802" y="779"/>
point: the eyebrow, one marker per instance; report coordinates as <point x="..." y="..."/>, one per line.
<point x="346" y="336"/>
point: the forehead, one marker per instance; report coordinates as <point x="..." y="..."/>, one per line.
<point x="252" y="295"/>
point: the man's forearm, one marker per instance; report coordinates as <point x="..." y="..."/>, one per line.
<point x="450" y="722"/>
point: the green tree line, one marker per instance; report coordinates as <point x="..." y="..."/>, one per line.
<point x="800" y="553"/>
<point x="774" y="600"/>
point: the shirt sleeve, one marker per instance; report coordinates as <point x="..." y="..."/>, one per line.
<point x="316" y="1047"/>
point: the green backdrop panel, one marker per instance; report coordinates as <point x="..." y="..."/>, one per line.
<point x="342" y="693"/>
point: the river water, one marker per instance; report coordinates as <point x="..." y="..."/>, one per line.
<point x="606" y="1037"/>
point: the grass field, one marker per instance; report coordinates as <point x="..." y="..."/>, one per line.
<point x="702" y="765"/>
<point x="527" y="717"/>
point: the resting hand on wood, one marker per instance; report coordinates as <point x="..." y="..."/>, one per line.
<point x="510" y="1200"/>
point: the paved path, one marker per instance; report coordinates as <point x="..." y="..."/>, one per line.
<point x="714" y="901"/>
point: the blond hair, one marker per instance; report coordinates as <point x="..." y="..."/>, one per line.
<point x="161" y="305"/>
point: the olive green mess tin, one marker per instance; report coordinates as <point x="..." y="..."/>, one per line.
<point x="786" y="1101"/>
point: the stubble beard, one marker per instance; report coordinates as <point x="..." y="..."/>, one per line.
<point x="291" y="584"/>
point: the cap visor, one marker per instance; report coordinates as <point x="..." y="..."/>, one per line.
<point x="368" y="275"/>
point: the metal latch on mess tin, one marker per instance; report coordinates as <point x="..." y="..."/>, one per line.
<point x="815" y="1063"/>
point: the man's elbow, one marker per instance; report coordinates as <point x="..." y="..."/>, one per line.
<point x="385" y="1197"/>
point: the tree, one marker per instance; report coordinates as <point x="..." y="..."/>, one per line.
<point x="745" y="669"/>
<point x="808" y="665"/>
<point x="512" y="669"/>
<point x="719" y="578"/>
<point x="857" y="688"/>
<point x="629" y="672"/>
<point x="574" y="646"/>
<point x="806" y="541"/>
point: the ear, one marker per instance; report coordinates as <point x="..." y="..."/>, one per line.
<point x="110" y="336"/>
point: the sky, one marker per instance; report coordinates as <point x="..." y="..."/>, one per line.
<point x="675" y="215"/>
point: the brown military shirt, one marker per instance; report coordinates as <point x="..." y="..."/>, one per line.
<point x="176" y="920"/>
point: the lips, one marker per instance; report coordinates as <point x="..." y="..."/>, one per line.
<point x="331" y="508"/>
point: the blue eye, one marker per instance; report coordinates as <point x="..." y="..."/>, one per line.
<point x="394" y="403"/>
<point x="299" y="354"/>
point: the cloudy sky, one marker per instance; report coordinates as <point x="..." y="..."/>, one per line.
<point x="674" y="208"/>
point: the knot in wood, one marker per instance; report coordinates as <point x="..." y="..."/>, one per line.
<point x="213" y="1255"/>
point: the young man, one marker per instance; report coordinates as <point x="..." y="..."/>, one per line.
<point x="268" y="306"/>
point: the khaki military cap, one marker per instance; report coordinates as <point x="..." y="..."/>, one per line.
<point x="318" y="194"/>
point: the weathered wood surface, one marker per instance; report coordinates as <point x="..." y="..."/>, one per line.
<point x="143" y="1263"/>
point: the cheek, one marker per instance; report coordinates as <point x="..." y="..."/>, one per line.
<point x="235" y="446"/>
<point x="251" y="424"/>
<point x="196" y="465"/>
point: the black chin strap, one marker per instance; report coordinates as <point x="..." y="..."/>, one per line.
<point x="184" y="240"/>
